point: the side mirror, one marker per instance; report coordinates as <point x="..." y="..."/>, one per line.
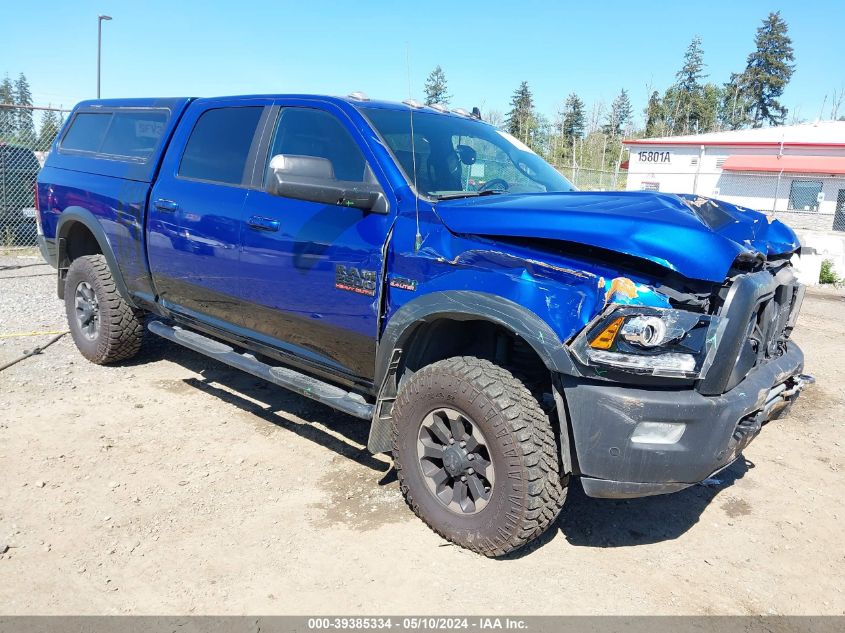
<point x="312" y="178"/>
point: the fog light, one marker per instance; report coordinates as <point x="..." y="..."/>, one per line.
<point x="658" y="432"/>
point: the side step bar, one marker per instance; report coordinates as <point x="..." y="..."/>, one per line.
<point x="340" y="399"/>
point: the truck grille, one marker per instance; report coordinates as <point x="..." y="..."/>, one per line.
<point x="768" y="324"/>
<point x="761" y="308"/>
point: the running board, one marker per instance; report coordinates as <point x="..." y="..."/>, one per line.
<point x="305" y="385"/>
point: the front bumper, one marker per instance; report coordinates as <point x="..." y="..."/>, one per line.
<point x="717" y="428"/>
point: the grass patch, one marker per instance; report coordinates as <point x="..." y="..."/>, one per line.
<point x="828" y="274"/>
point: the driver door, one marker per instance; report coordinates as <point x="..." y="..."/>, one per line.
<point x="312" y="272"/>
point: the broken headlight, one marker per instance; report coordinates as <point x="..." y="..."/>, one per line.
<point x="651" y="341"/>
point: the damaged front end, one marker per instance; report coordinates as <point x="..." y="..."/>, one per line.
<point x="669" y="396"/>
<point x="674" y="316"/>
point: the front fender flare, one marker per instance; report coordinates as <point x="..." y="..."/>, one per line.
<point x="465" y="305"/>
<point x="457" y="305"/>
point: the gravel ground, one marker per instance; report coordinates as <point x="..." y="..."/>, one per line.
<point x="173" y="485"/>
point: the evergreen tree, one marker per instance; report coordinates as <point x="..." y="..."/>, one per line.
<point x="25" y="122"/>
<point x="521" y="121"/>
<point x="574" y="119"/>
<point x="435" y="88"/>
<point x="685" y="106"/>
<point x="689" y="77"/>
<point x="654" y="116"/>
<point x="767" y="72"/>
<point x="8" y="119"/>
<point x="50" y="124"/>
<point x="620" y="114"/>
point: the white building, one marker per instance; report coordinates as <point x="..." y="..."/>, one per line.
<point x="796" y="172"/>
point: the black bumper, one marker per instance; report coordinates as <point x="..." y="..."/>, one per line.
<point x="48" y="250"/>
<point x="717" y="428"/>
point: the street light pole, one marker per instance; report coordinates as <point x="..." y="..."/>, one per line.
<point x="100" y="19"/>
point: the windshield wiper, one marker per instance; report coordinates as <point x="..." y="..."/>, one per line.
<point x="469" y="194"/>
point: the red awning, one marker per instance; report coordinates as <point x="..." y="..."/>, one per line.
<point x="789" y="164"/>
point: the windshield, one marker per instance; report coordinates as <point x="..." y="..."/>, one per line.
<point x="458" y="157"/>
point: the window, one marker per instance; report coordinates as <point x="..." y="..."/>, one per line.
<point x="87" y="131"/>
<point x="310" y="132"/>
<point x="454" y="156"/>
<point x="488" y="163"/>
<point x="804" y="195"/>
<point x="134" y="134"/>
<point x="126" y="134"/>
<point x="219" y="145"/>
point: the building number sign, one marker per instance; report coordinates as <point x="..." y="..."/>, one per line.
<point x="653" y="157"/>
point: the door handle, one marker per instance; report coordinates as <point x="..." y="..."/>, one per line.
<point x="166" y="205"/>
<point x="263" y="224"/>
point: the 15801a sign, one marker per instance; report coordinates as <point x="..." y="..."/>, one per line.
<point x="654" y="157"/>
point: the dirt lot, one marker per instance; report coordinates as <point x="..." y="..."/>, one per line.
<point x="175" y="485"/>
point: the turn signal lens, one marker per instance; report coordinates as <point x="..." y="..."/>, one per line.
<point x="605" y="338"/>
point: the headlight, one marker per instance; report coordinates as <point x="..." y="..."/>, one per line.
<point x="652" y="341"/>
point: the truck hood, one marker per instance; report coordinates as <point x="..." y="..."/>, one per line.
<point x="696" y="237"/>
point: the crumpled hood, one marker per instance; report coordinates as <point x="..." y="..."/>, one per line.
<point x="696" y="237"/>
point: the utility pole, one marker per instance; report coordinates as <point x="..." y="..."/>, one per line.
<point x="100" y="19"/>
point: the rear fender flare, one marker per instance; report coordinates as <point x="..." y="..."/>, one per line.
<point x="71" y="216"/>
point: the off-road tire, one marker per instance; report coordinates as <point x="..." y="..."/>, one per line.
<point x="528" y="493"/>
<point x="120" y="330"/>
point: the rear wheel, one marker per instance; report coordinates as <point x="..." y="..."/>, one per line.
<point x="105" y="328"/>
<point x="476" y="456"/>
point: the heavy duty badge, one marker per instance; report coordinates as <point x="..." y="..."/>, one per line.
<point x="350" y="278"/>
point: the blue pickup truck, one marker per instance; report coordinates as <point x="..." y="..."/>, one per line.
<point x="428" y="273"/>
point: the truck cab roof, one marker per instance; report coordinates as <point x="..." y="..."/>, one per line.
<point x="349" y="100"/>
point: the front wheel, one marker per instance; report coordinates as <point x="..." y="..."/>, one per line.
<point x="476" y="456"/>
<point x="105" y="328"/>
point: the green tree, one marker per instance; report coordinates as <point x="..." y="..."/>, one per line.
<point x="541" y="136"/>
<point x="25" y="122"/>
<point x="574" y="119"/>
<point x="655" y="124"/>
<point x="712" y="98"/>
<point x="767" y="72"/>
<point x="685" y="105"/>
<point x="735" y="105"/>
<point x="436" y="90"/>
<point x="8" y="120"/>
<point x="50" y="124"/>
<point x="689" y="77"/>
<point x="521" y="121"/>
<point x="619" y="115"/>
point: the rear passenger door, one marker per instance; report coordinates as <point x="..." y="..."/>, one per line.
<point x="195" y="211"/>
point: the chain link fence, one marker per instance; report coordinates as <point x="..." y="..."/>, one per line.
<point x="26" y="133"/>
<point x="587" y="179"/>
